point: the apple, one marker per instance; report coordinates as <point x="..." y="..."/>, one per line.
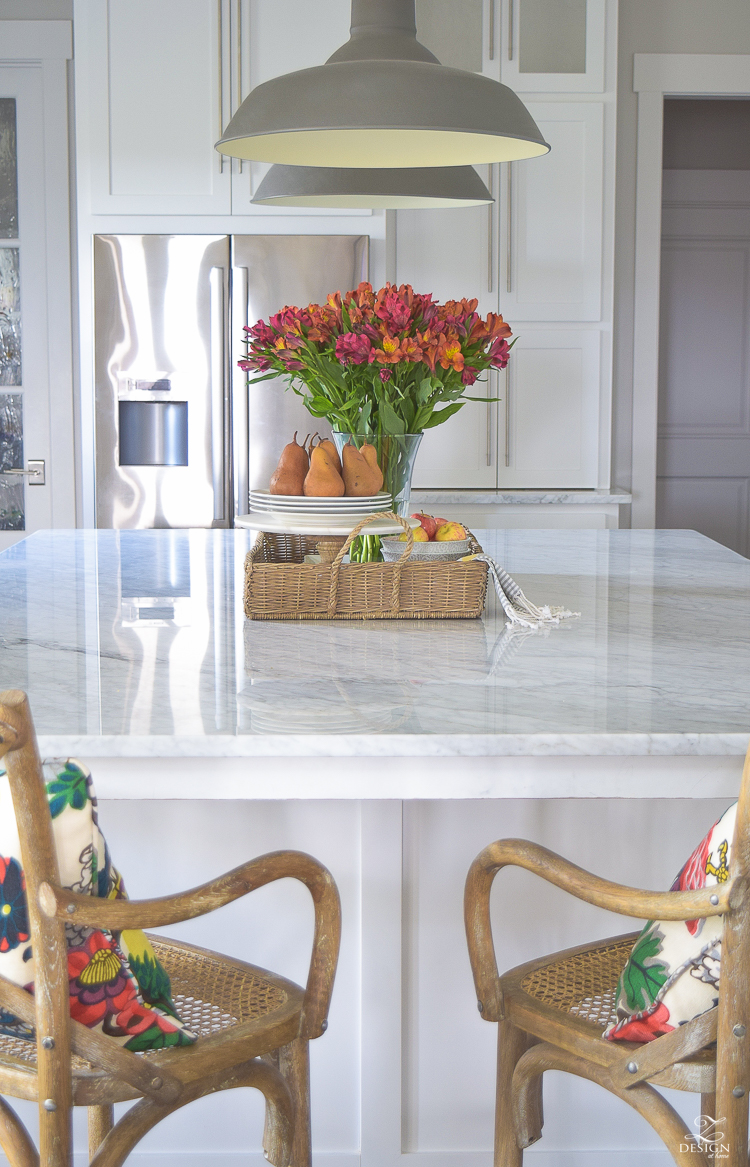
<point x="440" y="522"/>
<point x="429" y="525"/>
<point x="449" y="531"/>
<point x="419" y="533"/>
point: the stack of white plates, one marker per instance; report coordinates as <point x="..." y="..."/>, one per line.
<point x="299" y="505"/>
<point x="290" y="513"/>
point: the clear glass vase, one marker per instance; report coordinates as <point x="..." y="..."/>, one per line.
<point x="396" y="456"/>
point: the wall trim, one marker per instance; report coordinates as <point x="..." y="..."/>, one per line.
<point x="35" y="40"/>
<point x="656" y="75"/>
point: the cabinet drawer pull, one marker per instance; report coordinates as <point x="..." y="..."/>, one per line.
<point x="490" y="227"/>
<point x="219" y="6"/>
<point x="509" y="247"/>
<point x="241" y="161"/>
<point x="507" y="415"/>
<point x="489" y="419"/>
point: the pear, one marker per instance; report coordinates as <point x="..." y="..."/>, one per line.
<point x="323" y="479"/>
<point x="332" y="452"/>
<point x="370" y="455"/>
<point x="359" y="476"/>
<point x="289" y="475"/>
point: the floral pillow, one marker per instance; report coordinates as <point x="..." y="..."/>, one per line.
<point x="672" y="974"/>
<point x="117" y="985"/>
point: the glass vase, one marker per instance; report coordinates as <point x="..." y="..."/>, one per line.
<point x="396" y="456"/>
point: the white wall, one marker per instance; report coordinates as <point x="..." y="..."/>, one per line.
<point x="652" y="26"/>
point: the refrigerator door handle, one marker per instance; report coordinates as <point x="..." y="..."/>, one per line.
<point x="240" y="401"/>
<point x="218" y="377"/>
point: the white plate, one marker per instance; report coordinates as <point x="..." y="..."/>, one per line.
<point x="311" y="525"/>
<point x="265" y="498"/>
<point x="370" y="509"/>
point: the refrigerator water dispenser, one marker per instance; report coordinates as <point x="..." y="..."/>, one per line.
<point x="153" y="433"/>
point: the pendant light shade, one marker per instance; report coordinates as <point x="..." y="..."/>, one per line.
<point x="382" y="100"/>
<point x="328" y="186"/>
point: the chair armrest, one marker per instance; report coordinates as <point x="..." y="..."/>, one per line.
<point x="615" y="897"/>
<point x="118" y="914"/>
<point x="152" y="1081"/>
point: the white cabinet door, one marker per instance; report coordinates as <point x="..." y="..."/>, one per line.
<point x="549" y="420"/>
<point x="269" y="38"/>
<point x="555" y="46"/>
<point x="445" y="252"/>
<point x="153" y="86"/>
<point x="552" y="266"/>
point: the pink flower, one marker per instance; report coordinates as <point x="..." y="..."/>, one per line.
<point x="353" y="348"/>
<point x="259" y="363"/>
<point x="469" y="375"/>
<point x="385" y="375"/>
<point x="499" y="353"/>
<point x="260" y="333"/>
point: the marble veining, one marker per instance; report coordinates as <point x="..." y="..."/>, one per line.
<point x="522" y="497"/>
<point x="134" y="644"/>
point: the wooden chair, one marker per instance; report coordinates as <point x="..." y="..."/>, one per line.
<point x="551" y="1012"/>
<point x="253" y="1026"/>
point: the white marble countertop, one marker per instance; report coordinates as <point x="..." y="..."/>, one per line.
<point x="133" y="644"/>
<point x="424" y="495"/>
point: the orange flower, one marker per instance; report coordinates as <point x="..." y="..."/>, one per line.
<point x="449" y="353"/>
<point x="390" y="352"/>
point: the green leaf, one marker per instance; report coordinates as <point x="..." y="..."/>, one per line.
<point x="69" y="788"/>
<point x="424" y="390"/>
<point x="644" y="974"/>
<point x="392" y="422"/>
<point x="441" y="415"/>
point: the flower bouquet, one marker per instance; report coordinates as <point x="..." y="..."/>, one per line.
<point x="380" y="366"/>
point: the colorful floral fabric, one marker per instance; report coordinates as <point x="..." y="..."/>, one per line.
<point x="116" y="982"/>
<point x="673" y="972"/>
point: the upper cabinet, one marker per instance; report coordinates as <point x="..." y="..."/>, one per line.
<point x="554" y="46"/>
<point x="551" y="267"/>
<point x="153" y="83"/>
<point x="158" y="80"/>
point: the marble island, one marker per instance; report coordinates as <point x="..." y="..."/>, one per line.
<point x="133" y="644"/>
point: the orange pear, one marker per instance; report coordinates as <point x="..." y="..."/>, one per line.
<point x="359" y="476"/>
<point x="289" y="475"/>
<point x="323" y="479"/>
<point x="370" y="455"/>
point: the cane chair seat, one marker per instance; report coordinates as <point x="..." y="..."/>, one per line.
<point x="211" y="993"/>
<point x="582" y="983"/>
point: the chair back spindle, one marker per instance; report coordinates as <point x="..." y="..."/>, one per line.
<point x="18" y="745"/>
<point x="733" y="1036"/>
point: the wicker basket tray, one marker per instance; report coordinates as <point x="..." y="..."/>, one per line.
<point x="279" y="586"/>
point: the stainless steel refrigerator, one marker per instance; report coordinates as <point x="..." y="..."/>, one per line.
<point x="179" y="437"/>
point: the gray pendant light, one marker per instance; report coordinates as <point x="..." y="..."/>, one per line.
<point x="329" y="186"/>
<point x="382" y="100"/>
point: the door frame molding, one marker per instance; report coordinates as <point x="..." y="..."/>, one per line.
<point x="656" y="75"/>
<point x="47" y="46"/>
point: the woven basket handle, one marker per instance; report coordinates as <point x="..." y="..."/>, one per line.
<point x="336" y="565"/>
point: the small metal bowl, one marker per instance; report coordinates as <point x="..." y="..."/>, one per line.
<point x="393" y="548"/>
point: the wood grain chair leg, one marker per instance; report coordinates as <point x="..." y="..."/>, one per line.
<point x="145" y="1115"/>
<point x="708" y="1111"/>
<point x="15" y="1140"/>
<point x="679" y="1141"/>
<point x="511" y="1043"/>
<point x="101" y="1120"/>
<point x="294" y="1063"/>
